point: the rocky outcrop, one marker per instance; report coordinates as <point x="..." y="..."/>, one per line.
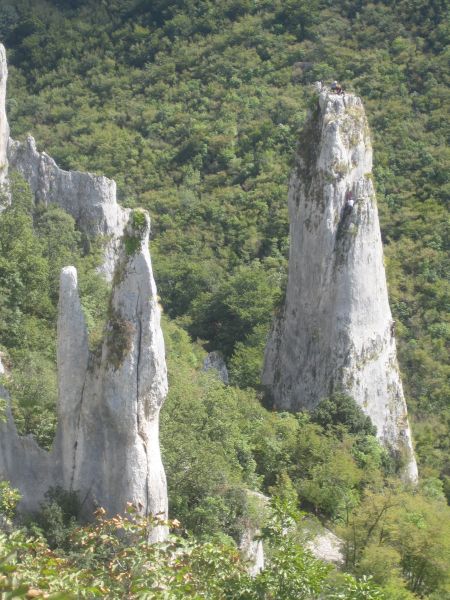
<point x="215" y="361"/>
<point x="252" y="550"/>
<point x="22" y="462"/>
<point x="107" y="442"/>
<point x="90" y="199"/>
<point x="328" y="547"/>
<point x="335" y="331"/>
<point x="251" y="544"/>
<point x="4" y="131"/>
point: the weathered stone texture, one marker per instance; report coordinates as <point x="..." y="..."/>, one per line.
<point x="90" y="199"/>
<point x="107" y="441"/>
<point x="4" y="130"/>
<point x="215" y="361"/>
<point x="336" y="330"/>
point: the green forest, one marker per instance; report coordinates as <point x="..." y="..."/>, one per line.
<point x="194" y="107"/>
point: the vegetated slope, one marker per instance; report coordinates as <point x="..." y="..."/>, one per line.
<point x="194" y="107"/>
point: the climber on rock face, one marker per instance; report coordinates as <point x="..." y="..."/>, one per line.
<point x="349" y="200"/>
<point x="349" y="203"/>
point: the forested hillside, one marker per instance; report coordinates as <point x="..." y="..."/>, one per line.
<point x="194" y="108"/>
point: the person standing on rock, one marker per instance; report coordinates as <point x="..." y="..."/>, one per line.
<point x="336" y="88"/>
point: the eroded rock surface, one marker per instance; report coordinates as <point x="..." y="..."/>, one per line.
<point x="214" y="360"/>
<point x="336" y="332"/>
<point x="90" y="199"/>
<point x="251" y="545"/>
<point x="4" y="131"/>
<point x="107" y="441"/>
<point x="23" y="463"/>
<point x="328" y="547"/>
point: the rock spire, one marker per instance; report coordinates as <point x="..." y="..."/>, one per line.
<point x="4" y="129"/>
<point x="335" y="331"/>
<point x="107" y="440"/>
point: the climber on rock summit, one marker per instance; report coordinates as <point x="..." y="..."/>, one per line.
<point x="336" y="88"/>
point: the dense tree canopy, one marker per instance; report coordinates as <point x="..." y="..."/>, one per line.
<point x="195" y="107"/>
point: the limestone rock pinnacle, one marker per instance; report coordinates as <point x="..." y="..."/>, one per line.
<point x="108" y="434"/>
<point x="4" y="129"/>
<point x="335" y="331"/>
<point x="107" y="440"/>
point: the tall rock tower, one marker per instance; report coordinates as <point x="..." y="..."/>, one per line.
<point x="107" y="440"/>
<point x="335" y="331"/>
<point x="4" y="130"/>
<point x="107" y="443"/>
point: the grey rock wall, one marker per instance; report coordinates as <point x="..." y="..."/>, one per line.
<point x="215" y="361"/>
<point x="4" y="131"/>
<point x="107" y="440"/>
<point x="335" y="331"/>
<point x="90" y="199"/>
<point x="23" y="463"/>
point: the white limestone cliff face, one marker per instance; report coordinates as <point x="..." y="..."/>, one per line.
<point x="4" y="130"/>
<point x="107" y="442"/>
<point x="335" y="331"/>
<point x="90" y="199"/>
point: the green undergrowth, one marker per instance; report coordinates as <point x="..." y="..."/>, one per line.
<point x="35" y="243"/>
<point x="195" y="109"/>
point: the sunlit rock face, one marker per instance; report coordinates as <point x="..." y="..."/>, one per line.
<point x="107" y="441"/>
<point x="4" y="131"/>
<point x="90" y="199"/>
<point x="108" y="430"/>
<point x="335" y="331"/>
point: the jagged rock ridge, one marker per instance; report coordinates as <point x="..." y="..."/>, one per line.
<point x="90" y="199"/>
<point x="107" y="441"/>
<point x="335" y="331"/>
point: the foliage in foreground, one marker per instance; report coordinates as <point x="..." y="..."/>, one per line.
<point x="113" y="558"/>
